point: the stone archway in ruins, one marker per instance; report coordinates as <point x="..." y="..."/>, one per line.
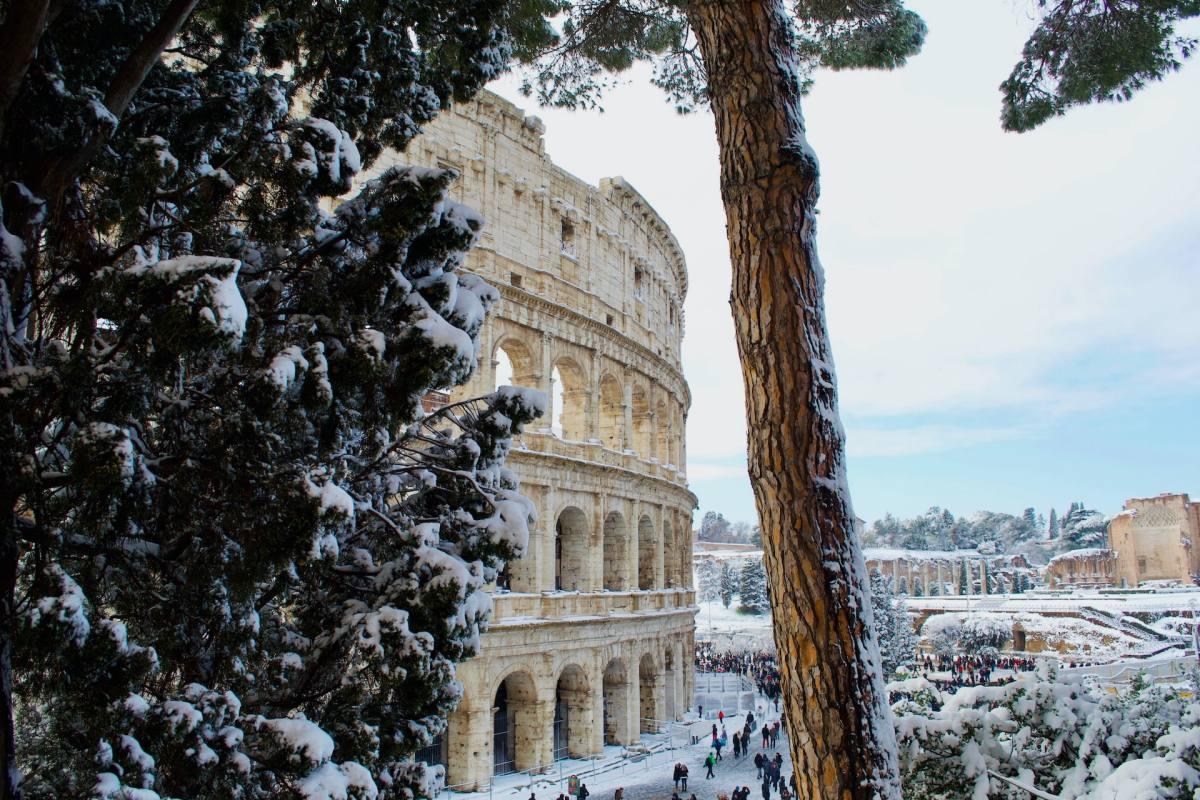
<point x="514" y="724"/>
<point x="647" y="551"/>
<point x="617" y="729"/>
<point x="571" y="550"/>
<point x="612" y="413"/>
<point x="650" y="689"/>
<point x="616" y="552"/>
<point x="572" y="714"/>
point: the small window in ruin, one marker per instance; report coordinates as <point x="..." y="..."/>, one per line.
<point x="568" y="238"/>
<point x="637" y="282"/>
<point x="608" y="318"/>
<point x="515" y="279"/>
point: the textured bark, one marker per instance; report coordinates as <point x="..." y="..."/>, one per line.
<point x="838" y="721"/>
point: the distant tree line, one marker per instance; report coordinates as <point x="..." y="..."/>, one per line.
<point x="939" y="529"/>
<point x="715" y="528"/>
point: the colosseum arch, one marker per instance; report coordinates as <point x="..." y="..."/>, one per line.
<point x="571" y="550"/>
<point x="612" y="413"/>
<point x="647" y="552"/>
<point x="569" y="412"/>
<point x="616" y="703"/>
<point x="642" y="422"/>
<point x="616" y="552"/>
<point x="572" y="714"/>
<point x="670" y="556"/>
<point x="513" y="363"/>
<point x="650" y="689"/>
<point x="514" y="723"/>
<point x="663" y="434"/>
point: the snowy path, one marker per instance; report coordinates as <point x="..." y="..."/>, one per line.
<point x="650" y="778"/>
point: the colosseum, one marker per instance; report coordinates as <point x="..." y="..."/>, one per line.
<point x="592" y="630"/>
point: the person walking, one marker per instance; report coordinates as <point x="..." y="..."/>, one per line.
<point x="766" y="790"/>
<point x="619" y="794"/>
<point x="583" y="792"/>
<point x="766" y="736"/>
<point x="758" y="764"/>
<point x="676" y="774"/>
<point x="737" y="745"/>
<point x="683" y="775"/>
<point x="717" y="747"/>
<point x="708" y="764"/>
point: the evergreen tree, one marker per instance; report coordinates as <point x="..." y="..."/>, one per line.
<point x="708" y="580"/>
<point x="1084" y="527"/>
<point x="894" y="630"/>
<point x="238" y="557"/>
<point x="1029" y="517"/>
<point x="728" y="583"/>
<point x="1052" y="531"/>
<point x="964" y="578"/>
<point x="752" y="587"/>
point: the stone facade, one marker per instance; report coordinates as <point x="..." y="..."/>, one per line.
<point x="1155" y="540"/>
<point x="592" y="632"/>
<point x="945" y="572"/>
<point x="1086" y="568"/>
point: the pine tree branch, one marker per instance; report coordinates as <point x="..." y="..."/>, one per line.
<point x="60" y="172"/>
<point x="19" y="37"/>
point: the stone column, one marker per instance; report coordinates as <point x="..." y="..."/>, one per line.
<point x="660" y="549"/>
<point x="593" y="410"/>
<point x="627" y="436"/>
<point x="596" y="548"/>
<point x="940" y="583"/>
<point x="469" y="766"/>
<point x="547" y="379"/>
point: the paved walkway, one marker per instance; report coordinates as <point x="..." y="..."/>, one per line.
<point x="649" y="778"/>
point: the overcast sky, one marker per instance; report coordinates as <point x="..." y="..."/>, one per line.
<point x="1015" y="318"/>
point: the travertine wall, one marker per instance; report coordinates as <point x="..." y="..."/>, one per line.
<point x="1155" y="538"/>
<point x="597" y="619"/>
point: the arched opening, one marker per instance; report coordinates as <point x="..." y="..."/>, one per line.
<point x="616" y="552"/>
<point x="662" y="444"/>
<point x="514" y="724"/>
<point x="568" y="419"/>
<point x="647" y="553"/>
<point x="572" y="714"/>
<point x="612" y="413"/>
<point x="570" y="550"/>
<point x="641" y="422"/>
<point x="616" y="703"/>
<point x="512" y="364"/>
<point x="1019" y="639"/>
<point x="650" y="690"/>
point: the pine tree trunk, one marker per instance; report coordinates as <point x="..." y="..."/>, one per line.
<point x="837" y="716"/>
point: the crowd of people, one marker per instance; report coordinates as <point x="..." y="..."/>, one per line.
<point x="972" y="670"/>
<point x="759" y="666"/>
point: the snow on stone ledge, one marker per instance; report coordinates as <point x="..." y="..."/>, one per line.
<point x="1082" y="554"/>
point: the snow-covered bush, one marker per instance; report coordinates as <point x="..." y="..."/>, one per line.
<point x="1062" y="737"/>
<point x="982" y="630"/>
<point x="942" y="632"/>
<point x="242" y="556"/>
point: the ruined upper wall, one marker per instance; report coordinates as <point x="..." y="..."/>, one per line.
<point x="601" y="251"/>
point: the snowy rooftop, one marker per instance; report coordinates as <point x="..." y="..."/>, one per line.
<point x="1083" y="553"/>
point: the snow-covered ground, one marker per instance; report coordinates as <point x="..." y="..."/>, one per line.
<point x="649" y="777"/>
<point x="1163" y="600"/>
